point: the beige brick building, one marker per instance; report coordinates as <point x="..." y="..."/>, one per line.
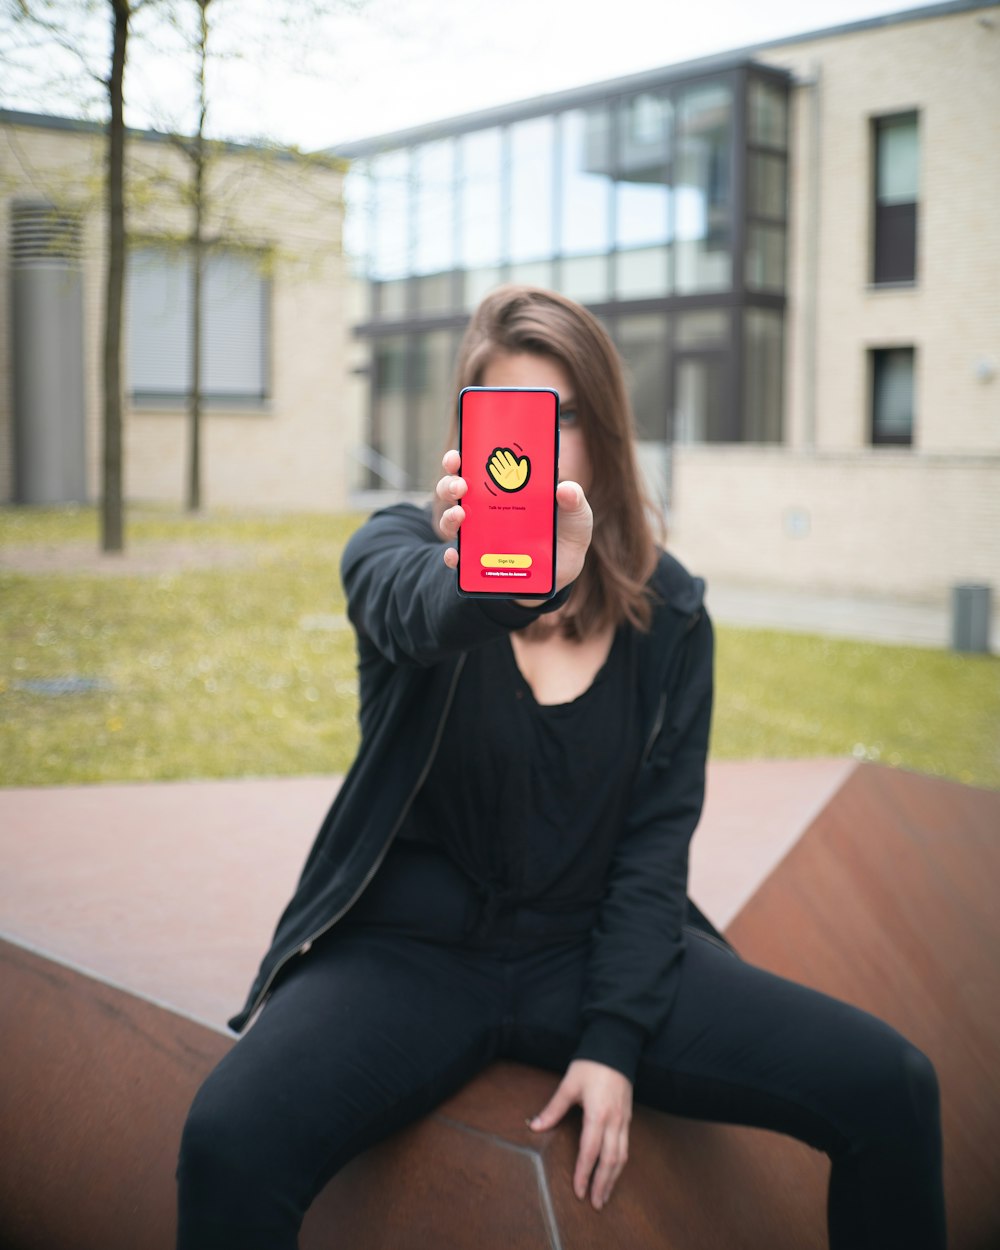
<point x="276" y="429"/>
<point x="828" y="509"/>
<point x="796" y="247"/>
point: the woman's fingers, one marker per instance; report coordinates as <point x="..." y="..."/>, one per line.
<point x="449" y="490"/>
<point x="606" y="1098"/>
<point x="554" y="1110"/>
<point x="591" y="1143"/>
<point x="451" y="487"/>
<point x="601" y="1159"/>
<point x="576" y="521"/>
<point x="451" y="520"/>
<point x="610" y="1165"/>
<point x="576" y="528"/>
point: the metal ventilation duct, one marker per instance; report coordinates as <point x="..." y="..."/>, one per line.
<point x="47" y="319"/>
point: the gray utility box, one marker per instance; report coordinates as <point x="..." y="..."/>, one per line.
<point x="971" y="612"/>
<point x="47" y="315"/>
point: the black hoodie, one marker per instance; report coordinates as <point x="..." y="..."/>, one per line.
<point x="413" y="631"/>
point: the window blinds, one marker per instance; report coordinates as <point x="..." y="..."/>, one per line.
<point x="234" y="329"/>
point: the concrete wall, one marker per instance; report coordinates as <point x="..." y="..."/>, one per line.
<point x="291" y="454"/>
<point x="886" y="523"/>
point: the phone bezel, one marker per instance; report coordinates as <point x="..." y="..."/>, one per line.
<point x="538" y="595"/>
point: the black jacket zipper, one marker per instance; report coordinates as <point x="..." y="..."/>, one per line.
<point x="304" y="947"/>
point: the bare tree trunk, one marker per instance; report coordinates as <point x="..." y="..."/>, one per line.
<point x="198" y="269"/>
<point x="194" y="400"/>
<point x="112" y="521"/>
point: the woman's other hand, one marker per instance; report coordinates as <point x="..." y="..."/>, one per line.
<point x="576" y="521"/>
<point x="605" y="1097"/>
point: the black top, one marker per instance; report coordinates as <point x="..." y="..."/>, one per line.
<point x="415" y="636"/>
<point x="527" y="798"/>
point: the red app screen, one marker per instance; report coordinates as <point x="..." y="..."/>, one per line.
<point x="508" y="440"/>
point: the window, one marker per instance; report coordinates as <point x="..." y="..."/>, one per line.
<point x="643" y="340"/>
<point x="390" y="257"/>
<point x="897" y="152"/>
<point x="643" y="200"/>
<point x="892" y="390"/>
<point x="585" y="203"/>
<point x="390" y="216"/>
<point x="433" y="367"/>
<point x="531" y="224"/>
<point x="357" y="218"/>
<point x="434" y="224"/>
<point x="234" y="328"/>
<point x="763" y="375"/>
<point x="767" y="113"/>
<point x="390" y="372"/>
<point x="699" y="399"/>
<point x="702" y="188"/>
<point x="480" y="207"/>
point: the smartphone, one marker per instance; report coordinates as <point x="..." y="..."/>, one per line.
<point x="508" y="438"/>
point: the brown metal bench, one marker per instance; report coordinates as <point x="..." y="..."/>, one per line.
<point x="132" y="917"/>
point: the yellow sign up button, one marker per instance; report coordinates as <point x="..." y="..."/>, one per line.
<point x="492" y="561"/>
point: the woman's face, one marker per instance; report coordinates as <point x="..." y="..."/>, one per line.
<point x="529" y="369"/>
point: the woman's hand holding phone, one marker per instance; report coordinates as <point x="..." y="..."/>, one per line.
<point x="575" y="526"/>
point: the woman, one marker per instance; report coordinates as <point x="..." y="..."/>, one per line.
<point x="503" y="872"/>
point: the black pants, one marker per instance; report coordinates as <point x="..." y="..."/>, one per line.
<point x="375" y="1027"/>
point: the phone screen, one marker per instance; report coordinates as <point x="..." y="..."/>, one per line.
<point x="508" y="439"/>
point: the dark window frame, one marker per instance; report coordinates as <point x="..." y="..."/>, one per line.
<point x="881" y="437"/>
<point x="894" y="227"/>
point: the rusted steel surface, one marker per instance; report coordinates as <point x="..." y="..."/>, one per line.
<point x="889" y="901"/>
<point x="885" y="899"/>
<point x="94" y="1088"/>
<point x="96" y="1084"/>
<point x="475" y="1175"/>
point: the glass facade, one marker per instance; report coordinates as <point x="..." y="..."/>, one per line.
<point x="662" y="208"/>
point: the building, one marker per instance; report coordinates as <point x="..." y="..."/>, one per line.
<point x="796" y="249"/>
<point x="276" y="386"/>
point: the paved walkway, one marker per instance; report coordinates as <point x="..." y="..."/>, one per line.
<point x="138" y="882"/>
<point x="838" y="616"/>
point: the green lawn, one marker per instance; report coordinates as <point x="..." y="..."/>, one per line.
<point x="247" y="667"/>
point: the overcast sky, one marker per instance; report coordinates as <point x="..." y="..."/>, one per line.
<point x="403" y="62"/>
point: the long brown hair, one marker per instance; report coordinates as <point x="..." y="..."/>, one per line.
<point x="515" y="319"/>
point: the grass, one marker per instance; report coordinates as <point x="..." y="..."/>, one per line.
<point x="247" y="668"/>
<point x="786" y="695"/>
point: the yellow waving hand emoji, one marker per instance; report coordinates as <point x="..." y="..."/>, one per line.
<point x="509" y="472"/>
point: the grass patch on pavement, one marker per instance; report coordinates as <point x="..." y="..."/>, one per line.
<point x="229" y="655"/>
